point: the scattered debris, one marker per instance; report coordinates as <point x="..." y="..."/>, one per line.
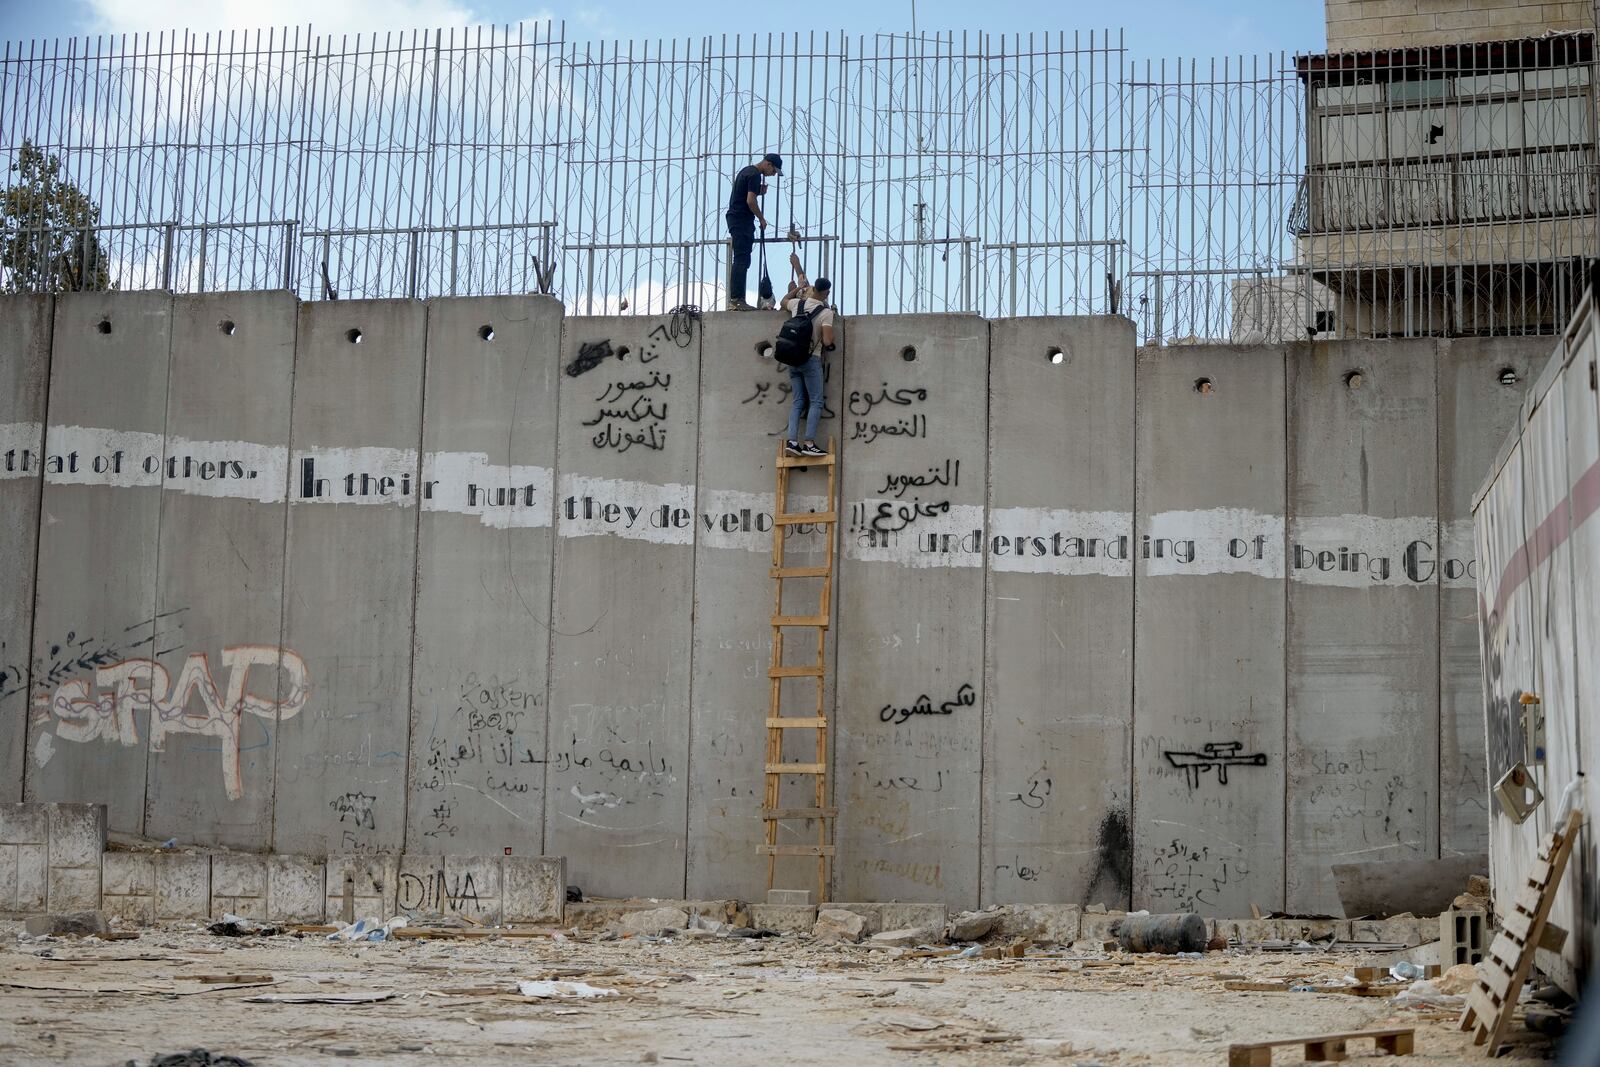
<point x="231" y="925"/>
<point x="836" y="924"/>
<point x="67" y="924"/>
<point x="574" y="895"/>
<point x="318" y="998"/>
<point x="910" y="937"/>
<point x="195" y="1057"/>
<point x="974" y="925"/>
<point x="1323" y="1047"/>
<point x="544" y="990"/>
<point x="369" y="930"/>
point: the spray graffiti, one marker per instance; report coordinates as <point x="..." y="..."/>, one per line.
<point x="109" y="709"/>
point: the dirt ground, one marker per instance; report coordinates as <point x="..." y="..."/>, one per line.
<point x="719" y="1002"/>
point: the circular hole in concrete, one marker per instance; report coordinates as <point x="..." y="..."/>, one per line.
<point x="622" y="351"/>
<point x="353" y="336"/>
<point x="1203" y="386"/>
<point x="1056" y="356"/>
<point x="764" y="349"/>
<point x="1508" y="376"/>
<point x="104" y="326"/>
<point x="486" y="332"/>
<point x="227" y="327"/>
<point x="1354" y="379"/>
<point x="908" y="353"/>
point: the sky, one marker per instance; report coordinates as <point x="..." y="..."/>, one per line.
<point x="1159" y="28"/>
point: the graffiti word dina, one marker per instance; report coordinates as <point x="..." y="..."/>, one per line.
<point x="433" y="892"/>
<point x="109" y="708"/>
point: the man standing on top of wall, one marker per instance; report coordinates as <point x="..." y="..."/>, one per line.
<point x="744" y="211"/>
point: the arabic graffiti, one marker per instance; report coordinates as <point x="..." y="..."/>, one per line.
<point x="866" y="430"/>
<point x="1217" y="756"/>
<point x="965" y="697"/>
<point x="632" y="411"/>
<point x="590" y="355"/>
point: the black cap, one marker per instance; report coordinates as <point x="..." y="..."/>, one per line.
<point x="775" y="159"/>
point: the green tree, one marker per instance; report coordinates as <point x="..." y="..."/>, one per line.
<point x="48" y="242"/>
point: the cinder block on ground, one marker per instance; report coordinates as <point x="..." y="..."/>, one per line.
<point x="77" y="834"/>
<point x="914" y="917"/>
<point x="872" y="913"/>
<point x="182" y="886"/>
<point x="1392" y="931"/>
<point x="533" y="889"/>
<point x="239" y="885"/>
<point x="373" y="880"/>
<point x="295" y="889"/>
<point x="1057" y="924"/>
<point x="1463" y="936"/>
<point x="472" y="885"/>
<point x="784" y="918"/>
<point x="129" y="886"/>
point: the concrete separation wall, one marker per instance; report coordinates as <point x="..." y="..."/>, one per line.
<point x="1171" y="628"/>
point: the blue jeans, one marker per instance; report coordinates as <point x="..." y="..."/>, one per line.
<point x="805" y="381"/>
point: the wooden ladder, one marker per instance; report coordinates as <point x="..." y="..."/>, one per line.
<point x="778" y="725"/>
<point x="1525" y="927"/>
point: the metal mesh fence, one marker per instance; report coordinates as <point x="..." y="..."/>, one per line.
<point x="1250" y="198"/>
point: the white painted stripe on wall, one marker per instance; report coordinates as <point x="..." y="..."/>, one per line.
<point x="1212" y="541"/>
<point x="735" y="519"/>
<point x="92" y="455"/>
<point x="390" y="476"/>
<point x="15" y="439"/>
<point x="239" y="470"/>
<point x="1061" y="541"/>
<point x="615" y="507"/>
<point x="503" y="497"/>
<point x="887" y="531"/>
<point x="1364" y="551"/>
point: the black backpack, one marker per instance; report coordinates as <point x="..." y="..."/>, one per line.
<point x="794" y="336"/>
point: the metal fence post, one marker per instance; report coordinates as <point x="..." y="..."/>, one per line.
<point x="169" y="238"/>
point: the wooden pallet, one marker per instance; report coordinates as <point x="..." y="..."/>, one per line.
<point x="779" y="725"/>
<point x="1323" y="1047"/>
<point x="1493" y="1000"/>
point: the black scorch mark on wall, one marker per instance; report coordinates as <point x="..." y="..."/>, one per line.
<point x="1112" y="881"/>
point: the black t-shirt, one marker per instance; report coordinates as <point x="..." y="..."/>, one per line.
<point x="746" y="181"/>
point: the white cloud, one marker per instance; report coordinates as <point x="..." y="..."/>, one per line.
<point x="344" y="16"/>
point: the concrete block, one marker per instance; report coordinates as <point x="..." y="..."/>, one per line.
<point x="1311" y="929"/>
<point x="839" y="924"/>
<point x="239" y="885"/>
<point x="1097" y="926"/>
<point x="1249" y="931"/>
<point x="182" y="887"/>
<point x="655" y="920"/>
<point x="474" y="887"/>
<point x="130" y="874"/>
<point x="77" y="834"/>
<point x="533" y="889"/>
<point x="25" y="326"/>
<point x="1058" y="924"/>
<point x="23" y="824"/>
<point x="722" y="911"/>
<point x="483" y="555"/>
<point x="73" y="888"/>
<point x="1463" y="936"/>
<point x="33" y="874"/>
<point x="789" y="896"/>
<point x="597" y="913"/>
<point x="1394" y="931"/>
<point x="82" y="923"/>
<point x="913" y="916"/>
<point x="871" y="914"/>
<point x="374" y="884"/>
<point x="784" y="918"/>
<point x="295" y="889"/>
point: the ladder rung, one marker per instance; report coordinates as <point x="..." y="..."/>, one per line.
<point x="800" y="517"/>
<point x="800" y="572"/>
<point x="795" y="850"/>
<point x="777" y="814"/>
<point x="797" y="768"/>
<point x="779" y="723"/>
<point x="800" y="620"/>
<point x="795" y="672"/>
<point x="806" y="461"/>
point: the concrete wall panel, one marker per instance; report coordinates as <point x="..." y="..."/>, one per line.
<point x="1476" y="412"/>
<point x="617" y="782"/>
<point x="1059" y="639"/>
<point x="1363" y="612"/>
<point x="911" y="670"/>
<point x="219" y="585"/>
<point x="94" y="622"/>
<point x="1209" y="631"/>
<point x="25" y="323"/>
<point x="743" y="411"/>
<point x="350" y="574"/>
<point x="483" y="577"/>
